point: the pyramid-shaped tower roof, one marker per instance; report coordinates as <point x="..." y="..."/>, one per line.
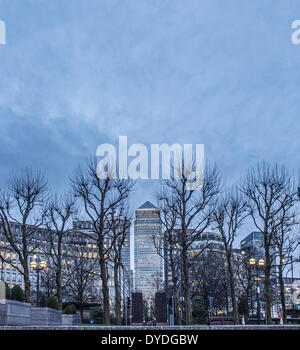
<point x="147" y="205"/>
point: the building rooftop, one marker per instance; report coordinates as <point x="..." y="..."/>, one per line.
<point x="252" y="237"/>
<point x="147" y="205"/>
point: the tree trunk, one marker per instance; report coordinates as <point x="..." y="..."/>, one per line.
<point x="118" y="295"/>
<point x="268" y="298"/>
<point x="105" y="292"/>
<point x="176" y="312"/>
<point x="58" y="273"/>
<point x="58" y="287"/>
<point x="177" y="306"/>
<point x="268" y="286"/>
<point x="81" y="311"/>
<point x="282" y="294"/>
<point x="26" y="283"/>
<point x="187" y="295"/>
<point x="232" y="292"/>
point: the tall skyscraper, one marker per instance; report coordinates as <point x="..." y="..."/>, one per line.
<point x="148" y="263"/>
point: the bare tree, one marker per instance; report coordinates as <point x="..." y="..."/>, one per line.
<point x="19" y="206"/>
<point x="48" y="280"/>
<point x="119" y="222"/>
<point x="193" y="209"/>
<point x="285" y="243"/>
<point x="209" y="280"/>
<point x="269" y="191"/>
<point x="81" y="274"/>
<point x="166" y="246"/>
<point x="99" y="195"/>
<point x="59" y="212"/>
<point x="245" y="278"/>
<point x="229" y="216"/>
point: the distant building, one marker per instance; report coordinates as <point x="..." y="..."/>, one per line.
<point x="292" y="292"/>
<point x="211" y="240"/>
<point x="83" y="234"/>
<point x="253" y="244"/>
<point x="148" y="264"/>
<point x="10" y="274"/>
<point x="205" y="242"/>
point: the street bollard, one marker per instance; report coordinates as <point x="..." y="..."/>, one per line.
<point x="243" y="320"/>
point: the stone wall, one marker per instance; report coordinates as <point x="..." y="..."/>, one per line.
<point x="71" y="320"/>
<point x="45" y="316"/>
<point x="15" y="313"/>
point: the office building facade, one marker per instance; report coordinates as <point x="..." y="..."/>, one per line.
<point x="253" y="245"/>
<point x="148" y="263"/>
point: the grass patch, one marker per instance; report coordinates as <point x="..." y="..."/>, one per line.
<point x="100" y="324"/>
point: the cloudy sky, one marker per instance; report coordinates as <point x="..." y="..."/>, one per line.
<point x="75" y="74"/>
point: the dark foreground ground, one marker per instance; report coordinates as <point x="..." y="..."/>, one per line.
<point x="90" y="337"/>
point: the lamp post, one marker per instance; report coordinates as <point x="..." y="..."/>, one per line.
<point x="38" y="266"/>
<point x="261" y="264"/>
<point x="1" y="277"/>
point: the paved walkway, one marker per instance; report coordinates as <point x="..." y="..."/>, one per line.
<point x="165" y="328"/>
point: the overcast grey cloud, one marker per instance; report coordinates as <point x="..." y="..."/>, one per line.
<point x="75" y="74"/>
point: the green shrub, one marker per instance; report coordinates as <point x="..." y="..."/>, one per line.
<point x="97" y="315"/>
<point x="52" y="302"/>
<point x="198" y="311"/>
<point x="43" y="301"/>
<point x="70" y="310"/>
<point x="7" y="292"/>
<point x="17" y="293"/>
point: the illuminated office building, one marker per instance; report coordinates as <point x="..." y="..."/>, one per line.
<point x="148" y="263"/>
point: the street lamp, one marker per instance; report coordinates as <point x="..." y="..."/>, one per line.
<point x="38" y="266"/>
<point x="261" y="263"/>
<point x="252" y="261"/>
